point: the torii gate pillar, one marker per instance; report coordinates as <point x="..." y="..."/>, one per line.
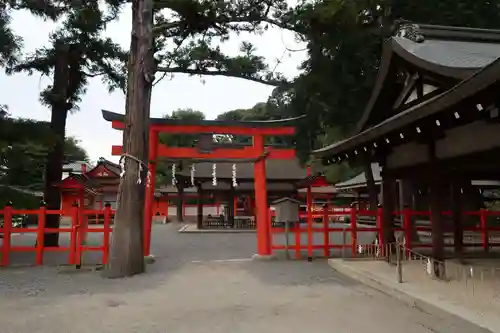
<point x="262" y="210"/>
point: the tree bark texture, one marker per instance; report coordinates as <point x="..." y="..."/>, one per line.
<point x="55" y="157"/>
<point x="126" y="257"/>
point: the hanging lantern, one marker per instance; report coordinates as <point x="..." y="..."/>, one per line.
<point x="214" y="174"/>
<point x="174" y="180"/>
<point x="192" y="174"/>
<point x="235" y="183"/>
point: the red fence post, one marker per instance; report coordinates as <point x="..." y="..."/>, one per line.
<point x="407" y="228"/>
<point x="326" y="222"/>
<point x="484" y="229"/>
<point x="354" y="231"/>
<point x="73" y="237"/>
<point x="380" y="230"/>
<point x="7" y="230"/>
<point x="40" y="237"/>
<point x="298" y="236"/>
<point x="105" y="238"/>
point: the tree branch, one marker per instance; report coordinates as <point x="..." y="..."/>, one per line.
<point x="274" y="83"/>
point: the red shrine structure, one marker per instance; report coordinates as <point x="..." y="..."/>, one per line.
<point x="257" y="154"/>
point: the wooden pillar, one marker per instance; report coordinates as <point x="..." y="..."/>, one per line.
<point x="435" y="178"/>
<point x="406" y="200"/>
<point x="166" y="207"/>
<point x="231" y="207"/>
<point x="199" y="208"/>
<point x="456" y="209"/>
<point x="150" y="190"/>
<point x="235" y="203"/>
<point x="180" y="203"/>
<point x="309" y="219"/>
<point x="388" y="206"/>
<point x="263" y="229"/>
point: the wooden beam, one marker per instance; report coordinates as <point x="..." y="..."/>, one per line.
<point x="435" y="181"/>
<point x="218" y="153"/>
<point x="232" y="130"/>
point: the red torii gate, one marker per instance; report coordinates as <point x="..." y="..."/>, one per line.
<point x="256" y="129"/>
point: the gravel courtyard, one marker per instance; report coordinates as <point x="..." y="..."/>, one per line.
<point x="206" y="283"/>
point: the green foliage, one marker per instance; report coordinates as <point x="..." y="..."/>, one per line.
<point x="91" y="54"/>
<point x="163" y="170"/>
<point x="260" y="111"/>
<point x="20" y="199"/>
<point x="190" y="32"/>
<point x="182" y="140"/>
<point x="24" y="145"/>
<point x="344" y="49"/>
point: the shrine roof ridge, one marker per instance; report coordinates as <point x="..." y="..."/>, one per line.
<point x="450" y="53"/>
<point x="430" y="31"/>
<point x="113" y="116"/>
<point x="468" y="88"/>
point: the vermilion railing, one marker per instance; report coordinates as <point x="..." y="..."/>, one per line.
<point x="405" y="226"/>
<point x="78" y="230"/>
<point x="80" y="227"/>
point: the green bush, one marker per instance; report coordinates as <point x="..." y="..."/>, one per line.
<point x="20" y="200"/>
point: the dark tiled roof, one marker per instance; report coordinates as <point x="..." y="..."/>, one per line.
<point x="484" y="79"/>
<point x="111" y="166"/>
<point x="275" y="170"/>
<point x="88" y="184"/>
<point x="112" y="116"/>
<point x="454" y="53"/>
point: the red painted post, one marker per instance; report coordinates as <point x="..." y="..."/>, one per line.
<point x="309" y="220"/>
<point x="105" y="238"/>
<point x="260" y="185"/>
<point x="7" y="230"/>
<point x="326" y="234"/>
<point x="79" y="237"/>
<point x="380" y="229"/>
<point x="74" y="232"/>
<point x="150" y="191"/>
<point x="40" y="233"/>
<point x="407" y="228"/>
<point x="484" y="229"/>
<point x="354" y="231"/>
<point x="298" y="235"/>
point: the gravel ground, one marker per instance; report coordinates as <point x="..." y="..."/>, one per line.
<point x="205" y="283"/>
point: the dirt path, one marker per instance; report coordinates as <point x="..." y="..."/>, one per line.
<point x="199" y="285"/>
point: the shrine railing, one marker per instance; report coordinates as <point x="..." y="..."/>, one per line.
<point x="354" y="232"/>
<point x="78" y="228"/>
<point x="479" y="229"/>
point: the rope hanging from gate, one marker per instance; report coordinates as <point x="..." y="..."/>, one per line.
<point x="142" y="166"/>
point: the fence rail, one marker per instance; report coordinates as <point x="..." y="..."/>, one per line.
<point x="77" y="230"/>
<point x="482" y="232"/>
<point x="337" y="229"/>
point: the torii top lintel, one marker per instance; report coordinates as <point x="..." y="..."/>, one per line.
<point x="264" y="127"/>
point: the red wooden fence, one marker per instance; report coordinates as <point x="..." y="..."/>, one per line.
<point x="406" y="216"/>
<point x="78" y="231"/>
<point x="80" y="227"/>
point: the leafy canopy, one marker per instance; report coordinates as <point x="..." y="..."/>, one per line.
<point x="24" y="145"/>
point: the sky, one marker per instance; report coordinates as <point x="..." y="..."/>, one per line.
<point x="212" y="95"/>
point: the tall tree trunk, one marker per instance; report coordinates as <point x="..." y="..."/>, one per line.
<point x="55" y="157"/>
<point x="126" y="257"/>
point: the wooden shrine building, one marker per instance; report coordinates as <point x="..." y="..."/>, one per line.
<point x="432" y="122"/>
